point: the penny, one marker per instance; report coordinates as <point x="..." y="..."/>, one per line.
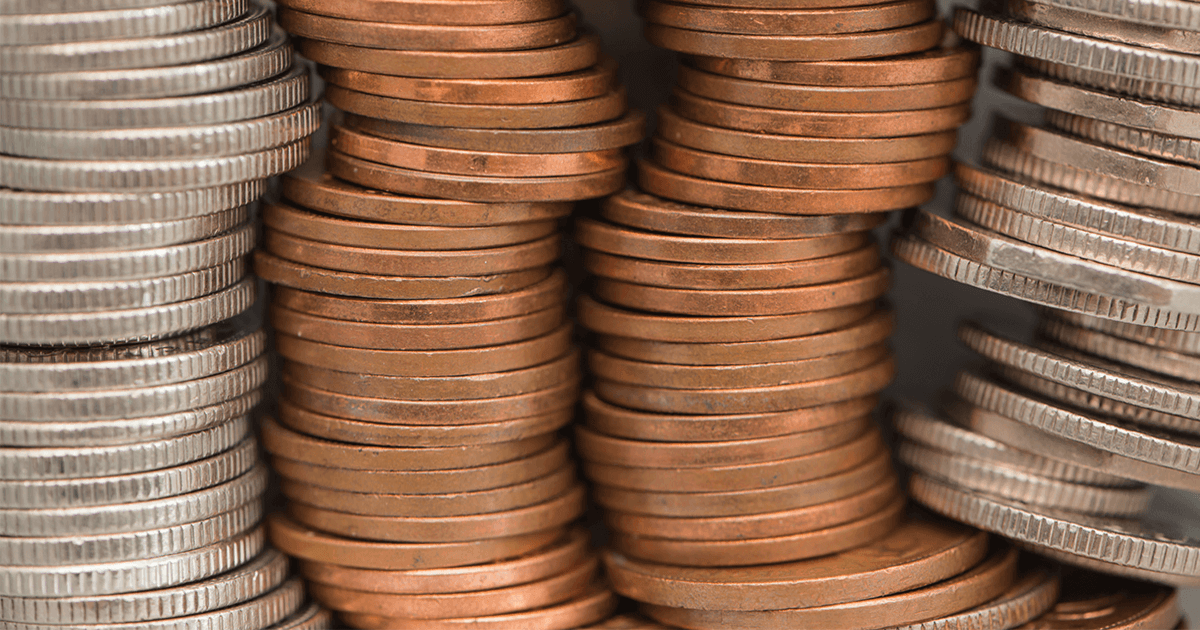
<point x="588" y="83"/>
<point x="570" y="549"/>
<point x="915" y="554"/>
<point x="630" y="424"/>
<point x="1117" y="605"/>
<point x="1031" y="595"/>
<point x="577" y="54"/>
<point x="946" y="63"/>
<point x="405" y="36"/>
<point x="874" y="328"/>
<point x="734" y="302"/>
<point x="819" y="124"/>
<point x="792" y="201"/>
<point x="770" y="146"/>
<point x="627" y="622"/>
<point x="301" y="542"/>
<point x="554" y="513"/>
<point x="865" y="382"/>
<point x="470" y="12"/>
<point x="621" y="132"/>
<point x="791" y="22"/>
<point x="477" y="188"/>
<point x="986" y="580"/>
<point x="797" y="174"/>
<point x="827" y="99"/>
<point x="882" y="43"/>
<point x="594" y="604"/>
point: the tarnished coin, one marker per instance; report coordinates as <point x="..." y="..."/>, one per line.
<point x="1031" y="595"/>
<point x="1089" y="602"/>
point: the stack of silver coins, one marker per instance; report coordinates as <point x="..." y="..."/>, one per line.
<point x="1091" y="215"/>
<point x="135" y="135"/>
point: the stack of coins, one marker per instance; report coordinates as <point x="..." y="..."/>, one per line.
<point x="428" y="363"/>
<point x="133" y="137"/>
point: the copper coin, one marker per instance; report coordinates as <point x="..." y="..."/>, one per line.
<point x="765" y="146"/>
<point x="626" y="423"/>
<point x="573" y="86"/>
<point x="747" y="276"/>
<point x="553" y="559"/>
<point x="754" y="501"/>
<point x="532" y="595"/>
<point x="707" y="377"/>
<point x="867" y="382"/>
<point x="610" y="320"/>
<point x="741" y="552"/>
<point x="666" y="183"/>
<point x="427" y="482"/>
<point x="627" y="622"/>
<point x="797" y="174"/>
<point x="297" y="540"/>
<point x="812" y="98"/>
<point x="1090" y="602"/>
<point x="476" y="188"/>
<point x="414" y="262"/>
<point x="604" y="449"/>
<point x="591" y="606"/>
<point x="339" y="231"/>
<point x="284" y="442"/>
<point x="416" y="336"/>
<point x="432" y="413"/>
<point x="873" y="329"/>
<point x="915" y="554"/>
<point x="432" y="505"/>
<point x="898" y="41"/>
<point x="536" y="116"/>
<point x="303" y="277"/>
<point x="323" y="193"/>
<point x="475" y="12"/>
<point x="614" y="239"/>
<point x="819" y="124"/>
<point x="646" y="212"/>
<point x="551" y="514"/>
<point x="985" y="581"/>
<point x="622" y="132"/>
<point x="577" y="54"/>
<point x="740" y="476"/>
<point x="446" y="37"/>
<point x="732" y="302"/>
<point x="930" y="66"/>
<point x="791" y="22"/>
<point x="359" y="432"/>
<point x="459" y="162"/>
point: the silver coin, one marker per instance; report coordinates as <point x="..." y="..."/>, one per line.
<point x="118" y="236"/>
<point x="70" y="209"/>
<point x="137" y="575"/>
<point x="20" y="7"/>
<point x="43" y="28"/>
<point x="1149" y="358"/>
<point x="1171" y="93"/>
<point x="311" y="617"/>
<point x="1148" y="143"/>
<point x="1174" y="30"/>
<point x="1187" y="343"/>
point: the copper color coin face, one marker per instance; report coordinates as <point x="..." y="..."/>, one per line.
<point x="481" y="163"/>
<point x="551" y="514"/>
<point x="627" y="622"/>
<point x="587" y="83"/>
<point x="594" y="604"/>
<point x="882" y="43"/>
<point x="428" y="481"/>
<point x="621" y="132"/>
<point x="321" y="192"/>
<point x="315" y="279"/>
<point x="873" y="329"/>
<point x="789" y="22"/>
<point x="742" y="552"/>
<point x="402" y="36"/>
<point x="748" y="276"/>
<point x="799" y="201"/>
<point x="473" y="12"/>
<point x="604" y="449"/>
<point x="647" y="212"/>
<point x="301" y="542"/>
<point x="736" y="477"/>
<point x="627" y="423"/>
<point x="338" y="231"/>
<point x="477" y="188"/>
<point x="866" y="382"/>
<point x="1127" y="606"/>
<point x="931" y="66"/>
<point x="553" y="559"/>
<point x="784" y="148"/>
<point x="985" y="581"/>
<point x="915" y="554"/>
<point x="577" y="54"/>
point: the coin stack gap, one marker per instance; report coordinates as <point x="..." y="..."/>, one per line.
<point x="1089" y="215"/>
<point x="135" y="135"/>
<point x="428" y="364"/>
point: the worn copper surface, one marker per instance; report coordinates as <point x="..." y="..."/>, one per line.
<point x="572" y="86"/>
<point x="719" y="276"/>
<point x="929" y="66"/>
<point x="897" y="41"/>
<point x="477" y="12"/>
<point x="594" y="604"/>
<point x="624" y="131"/>
<point x="404" y="36"/>
<point x="790" y="22"/>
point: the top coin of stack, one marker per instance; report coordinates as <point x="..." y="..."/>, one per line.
<point x="132" y="139"/>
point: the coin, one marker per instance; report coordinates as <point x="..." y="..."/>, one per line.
<point x="944" y="63"/>
<point x="402" y="36"/>
<point x="141" y="21"/>
<point x="623" y="131"/>
<point x="1117" y="605"/>
<point x="791" y="22"/>
<point x="473" y="12"/>
<point x="1031" y="595"/>
<point x="881" y="43"/>
<point x="594" y="604"/>
<point x="587" y="83"/>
